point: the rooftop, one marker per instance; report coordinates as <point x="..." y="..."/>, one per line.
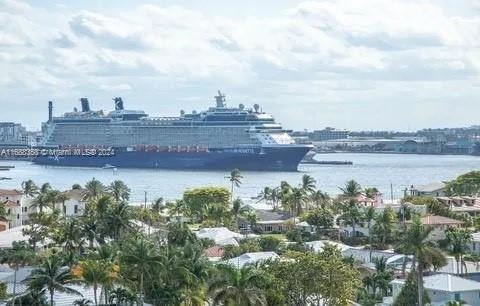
<point x="7" y="192"/>
<point x="220" y="235"/>
<point x="430" y="187"/>
<point x="251" y="258"/>
<point x="446" y="283"/>
<point x="438" y="220"/>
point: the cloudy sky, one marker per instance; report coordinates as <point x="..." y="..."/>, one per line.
<point x="358" y="64"/>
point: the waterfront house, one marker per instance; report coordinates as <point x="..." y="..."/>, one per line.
<point x="15" y="202"/>
<point x="75" y="203"/>
<point x="269" y="221"/>
<point x="429" y="190"/>
<point x="442" y="288"/>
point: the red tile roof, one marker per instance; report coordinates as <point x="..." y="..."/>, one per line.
<point x="10" y="192"/>
<point x="438" y="220"/>
<point x="215" y="251"/>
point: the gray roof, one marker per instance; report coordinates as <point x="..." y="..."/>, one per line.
<point x="447" y="283"/>
<point x="270" y="215"/>
<point x="430" y="187"/>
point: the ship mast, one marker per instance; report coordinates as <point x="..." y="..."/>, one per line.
<point x="220" y="99"/>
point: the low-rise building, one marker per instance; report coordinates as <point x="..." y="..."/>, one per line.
<point x="16" y="204"/>
<point x="251" y="259"/>
<point x="429" y="190"/>
<point x="439" y="224"/>
<point x="269" y="221"/>
<point x="75" y="203"/>
<point x="442" y="288"/>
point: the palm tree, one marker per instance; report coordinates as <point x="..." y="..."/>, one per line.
<point x="265" y="195"/>
<point x="117" y="220"/>
<point x="369" y="216"/>
<point x="51" y="276"/>
<point x="319" y="198"/>
<point x="62" y="198"/>
<point x="351" y="215"/>
<point x="70" y="237"/>
<point x="238" y="210"/>
<point x="158" y="205"/>
<point x="371" y="193"/>
<point x="296" y="200"/>
<point x="352" y="189"/>
<point x="119" y="191"/>
<point x="233" y="286"/>
<point x="143" y="256"/>
<point x="46" y="187"/>
<point x="18" y="256"/>
<point x="41" y="202"/>
<point x="91" y="273"/>
<point x="94" y="188"/>
<point x="384" y="225"/>
<point x="458" y="240"/>
<point x="308" y="184"/>
<point x="235" y="179"/>
<point x="416" y="241"/>
<point x="29" y="188"/>
<point x="82" y="302"/>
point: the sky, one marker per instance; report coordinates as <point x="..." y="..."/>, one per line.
<point x="351" y="64"/>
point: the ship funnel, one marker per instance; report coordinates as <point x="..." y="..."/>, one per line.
<point x="118" y="103"/>
<point x="85" y="105"/>
<point x="50" y="111"/>
<point x="256" y="107"/>
<point x="220" y="99"/>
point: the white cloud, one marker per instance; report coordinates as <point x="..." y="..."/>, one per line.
<point x="329" y="51"/>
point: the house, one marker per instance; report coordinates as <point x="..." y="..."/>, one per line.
<point x="429" y="190"/>
<point x="251" y="259"/>
<point x="365" y="201"/>
<point x="10" y="235"/>
<point x="220" y="235"/>
<point x="214" y="253"/>
<point x="317" y="246"/>
<point x="15" y="202"/>
<point x="474" y="245"/>
<point x="269" y="221"/>
<point x="75" y="203"/>
<point x="439" y="224"/>
<point x="442" y="288"/>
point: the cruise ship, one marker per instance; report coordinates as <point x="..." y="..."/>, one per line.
<point x="221" y="137"/>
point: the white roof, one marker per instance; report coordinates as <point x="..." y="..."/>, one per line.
<point x="430" y="187"/>
<point x="251" y="258"/>
<point x="303" y="224"/>
<point x="10" y="235"/>
<point x="220" y="235"/>
<point x="476" y="237"/>
<point x="447" y="283"/>
<point x="318" y="245"/>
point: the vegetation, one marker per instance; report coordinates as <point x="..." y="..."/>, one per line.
<point x="108" y="250"/>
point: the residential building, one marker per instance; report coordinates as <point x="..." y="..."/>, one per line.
<point x="442" y="288"/>
<point x="329" y="133"/>
<point x="439" y="224"/>
<point x="220" y="235"/>
<point x="429" y="190"/>
<point x="16" y="203"/>
<point x="251" y="259"/>
<point x="269" y="221"/>
<point x="75" y="203"/>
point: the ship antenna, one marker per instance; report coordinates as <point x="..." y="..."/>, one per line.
<point x="220" y="99"/>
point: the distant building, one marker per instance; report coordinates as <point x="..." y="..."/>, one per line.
<point x="442" y="288"/>
<point x="429" y="190"/>
<point x="75" y="203"/>
<point x="439" y="224"/>
<point x="15" y="134"/>
<point x="329" y="133"/>
<point x="269" y="221"/>
<point x="15" y="202"/>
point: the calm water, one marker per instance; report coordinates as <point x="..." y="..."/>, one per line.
<point x="370" y="170"/>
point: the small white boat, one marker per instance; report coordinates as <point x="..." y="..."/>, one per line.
<point x="108" y="166"/>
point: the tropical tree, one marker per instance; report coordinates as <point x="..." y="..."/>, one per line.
<point x="51" y="276"/>
<point x="158" y="205"/>
<point x="351" y="189"/>
<point x="417" y="241"/>
<point x="235" y="179"/>
<point x="18" y="256"/>
<point x="238" y="210"/>
<point x="141" y="255"/>
<point x="70" y="236"/>
<point x="384" y="225"/>
<point x="95" y="188"/>
<point x="233" y="286"/>
<point x="308" y="184"/>
<point x="29" y="188"/>
<point x="351" y="215"/>
<point x="319" y="198"/>
<point x="119" y="191"/>
<point x="118" y="220"/>
<point x="458" y="240"/>
<point x="369" y="215"/>
<point x="296" y="200"/>
<point x="371" y="192"/>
